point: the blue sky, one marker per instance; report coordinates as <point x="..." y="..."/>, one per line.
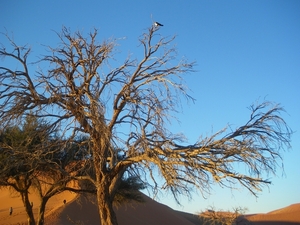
<point x="246" y="51"/>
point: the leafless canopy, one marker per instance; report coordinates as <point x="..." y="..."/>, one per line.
<point x="127" y="107"/>
<point x="220" y="217"/>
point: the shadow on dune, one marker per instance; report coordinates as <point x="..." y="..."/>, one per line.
<point x="84" y="211"/>
<point x="79" y="211"/>
<point x="190" y="217"/>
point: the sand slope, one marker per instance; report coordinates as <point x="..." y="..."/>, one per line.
<point x="11" y="199"/>
<point x="288" y="215"/>
<point x="83" y="211"/>
<point x="80" y="210"/>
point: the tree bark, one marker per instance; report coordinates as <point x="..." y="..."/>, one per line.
<point x="41" y="212"/>
<point x="28" y="208"/>
<point x="101" y="150"/>
<point x="106" y="211"/>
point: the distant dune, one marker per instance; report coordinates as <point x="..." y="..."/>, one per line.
<point x="288" y="215"/>
<point x="80" y="210"/>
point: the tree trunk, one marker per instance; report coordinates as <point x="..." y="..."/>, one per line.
<point x="103" y="179"/>
<point x="105" y="204"/>
<point x="41" y="212"/>
<point x="28" y="208"/>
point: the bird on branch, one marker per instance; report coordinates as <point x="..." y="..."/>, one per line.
<point x="157" y="24"/>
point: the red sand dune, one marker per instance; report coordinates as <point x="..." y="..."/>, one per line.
<point x="288" y="215"/>
<point x="83" y="211"/>
<point x="9" y="199"/>
<point x="80" y="210"/>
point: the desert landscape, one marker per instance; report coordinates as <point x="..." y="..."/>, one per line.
<point x="79" y="209"/>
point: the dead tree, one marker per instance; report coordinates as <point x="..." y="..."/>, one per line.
<point x="220" y="217"/>
<point x="128" y="106"/>
<point x="26" y="152"/>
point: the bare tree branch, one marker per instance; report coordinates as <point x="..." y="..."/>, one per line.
<point x="129" y="107"/>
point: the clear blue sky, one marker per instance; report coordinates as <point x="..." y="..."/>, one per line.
<point x="245" y="51"/>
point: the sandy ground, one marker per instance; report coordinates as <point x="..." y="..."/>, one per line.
<point x="81" y="210"/>
<point x="10" y="199"/>
<point x="84" y="211"/>
<point x="288" y="215"/>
